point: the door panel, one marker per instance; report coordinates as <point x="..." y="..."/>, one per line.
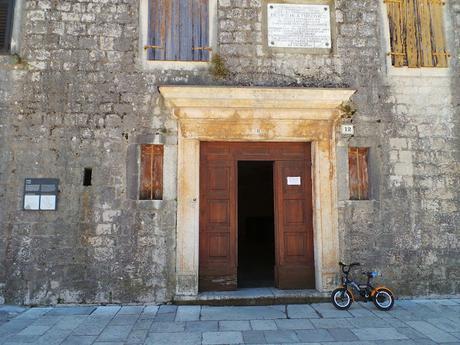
<point x="217" y="220"/>
<point x="294" y="228"/>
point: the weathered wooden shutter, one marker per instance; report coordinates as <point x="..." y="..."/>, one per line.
<point x="6" y="21"/>
<point x="151" y="179"/>
<point x="178" y="30"/>
<point x="397" y="24"/>
<point x="411" y="29"/>
<point x="358" y="173"/>
<point x="417" y="33"/>
<point x="438" y="43"/>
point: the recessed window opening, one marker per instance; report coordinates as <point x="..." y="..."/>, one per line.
<point x="358" y="173"/>
<point x="178" y="30"/>
<point x="151" y="179"/>
<point x="87" y="176"/>
<point x="256" y="225"/>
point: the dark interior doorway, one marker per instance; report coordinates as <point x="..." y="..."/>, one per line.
<point x="256" y="224"/>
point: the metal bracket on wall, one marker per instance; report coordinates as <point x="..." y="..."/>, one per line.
<point x="152" y="47"/>
<point x="202" y="48"/>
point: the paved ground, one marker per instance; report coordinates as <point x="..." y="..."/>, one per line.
<point x="419" y="322"/>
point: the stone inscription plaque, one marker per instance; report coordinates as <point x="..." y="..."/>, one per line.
<point x="298" y="26"/>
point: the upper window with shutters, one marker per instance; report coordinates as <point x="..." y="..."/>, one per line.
<point x="417" y="33"/>
<point x="178" y="30"/>
<point x="6" y="24"/>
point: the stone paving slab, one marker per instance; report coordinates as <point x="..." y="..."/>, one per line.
<point x="106" y="310"/>
<point x="263" y="325"/>
<point x="188" y="313"/>
<point x="79" y="340"/>
<point x="433" y="332"/>
<point x="34" y="313"/>
<point x="222" y="338"/>
<point x="378" y="334"/>
<point x="241" y="313"/>
<point x="327" y="310"/>
<point x="420" y="322"/>
<point x="71" y="311"/>
<point x="202" y="326"/>
<point x="189" y="338"/>
<point x="234" y="326"/>
<point x="301" y="311"/>
<point x="294" y="324"/>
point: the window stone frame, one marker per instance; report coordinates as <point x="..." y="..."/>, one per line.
<point x="152" y="65"/>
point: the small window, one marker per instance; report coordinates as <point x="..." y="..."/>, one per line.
<point x="358" y="173"/>
<point x="151" y="179"/>
<point x="6" y="24"/>
<point x="417" y="33"/>
<point x="87" y="176"/>
<point x="178" y="30"/>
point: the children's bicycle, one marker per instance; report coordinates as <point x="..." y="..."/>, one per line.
<point x="343" y="297"/>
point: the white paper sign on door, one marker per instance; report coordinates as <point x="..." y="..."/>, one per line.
<point x="293" y="181"/>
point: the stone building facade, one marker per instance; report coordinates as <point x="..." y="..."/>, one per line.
<point x="76" y="92"/>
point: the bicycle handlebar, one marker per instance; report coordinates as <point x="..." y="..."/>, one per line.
<point x="349" y="266"/>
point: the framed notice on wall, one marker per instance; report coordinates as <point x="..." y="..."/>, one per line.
<point x="298" y="26"/>
<point x="40" y="194"/>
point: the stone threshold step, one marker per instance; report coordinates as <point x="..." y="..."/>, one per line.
<point x="256" y="296"/>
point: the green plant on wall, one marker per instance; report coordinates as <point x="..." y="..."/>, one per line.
<point x="218" y="68"/>
<point x="18" y="62"/>
<point x="348" y="109"/>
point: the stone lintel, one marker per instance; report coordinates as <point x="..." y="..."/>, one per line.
<point x="254" y="98"/>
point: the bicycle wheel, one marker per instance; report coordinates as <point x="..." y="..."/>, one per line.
<point x="341" y="298"/>
<point x="383" y="299"/>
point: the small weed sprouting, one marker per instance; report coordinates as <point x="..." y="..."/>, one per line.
<point x="348" y="109"/>
<point x="218" y="68"/>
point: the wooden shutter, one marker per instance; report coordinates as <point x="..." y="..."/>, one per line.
<point x="151" y="179"/>
<point x="6" y="21"/>
<point x="358" y="173"/>
<point x="411" y="36"/>
<point x="438" y="43"/>
<point x="417" y="33"/>
<point x="178" y="30"/>
<point x="397" y="23"/>
<point x="424" y="33"/>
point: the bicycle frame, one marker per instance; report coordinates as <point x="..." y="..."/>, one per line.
<point x="363" y="291"/>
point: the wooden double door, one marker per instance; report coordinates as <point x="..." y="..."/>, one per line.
<point x="294" y="258"/>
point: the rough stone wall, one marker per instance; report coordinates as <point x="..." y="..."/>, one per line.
<point x="410" y="232"/>
<point x="78" y="101"/>
<point x="79" y="98"/>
